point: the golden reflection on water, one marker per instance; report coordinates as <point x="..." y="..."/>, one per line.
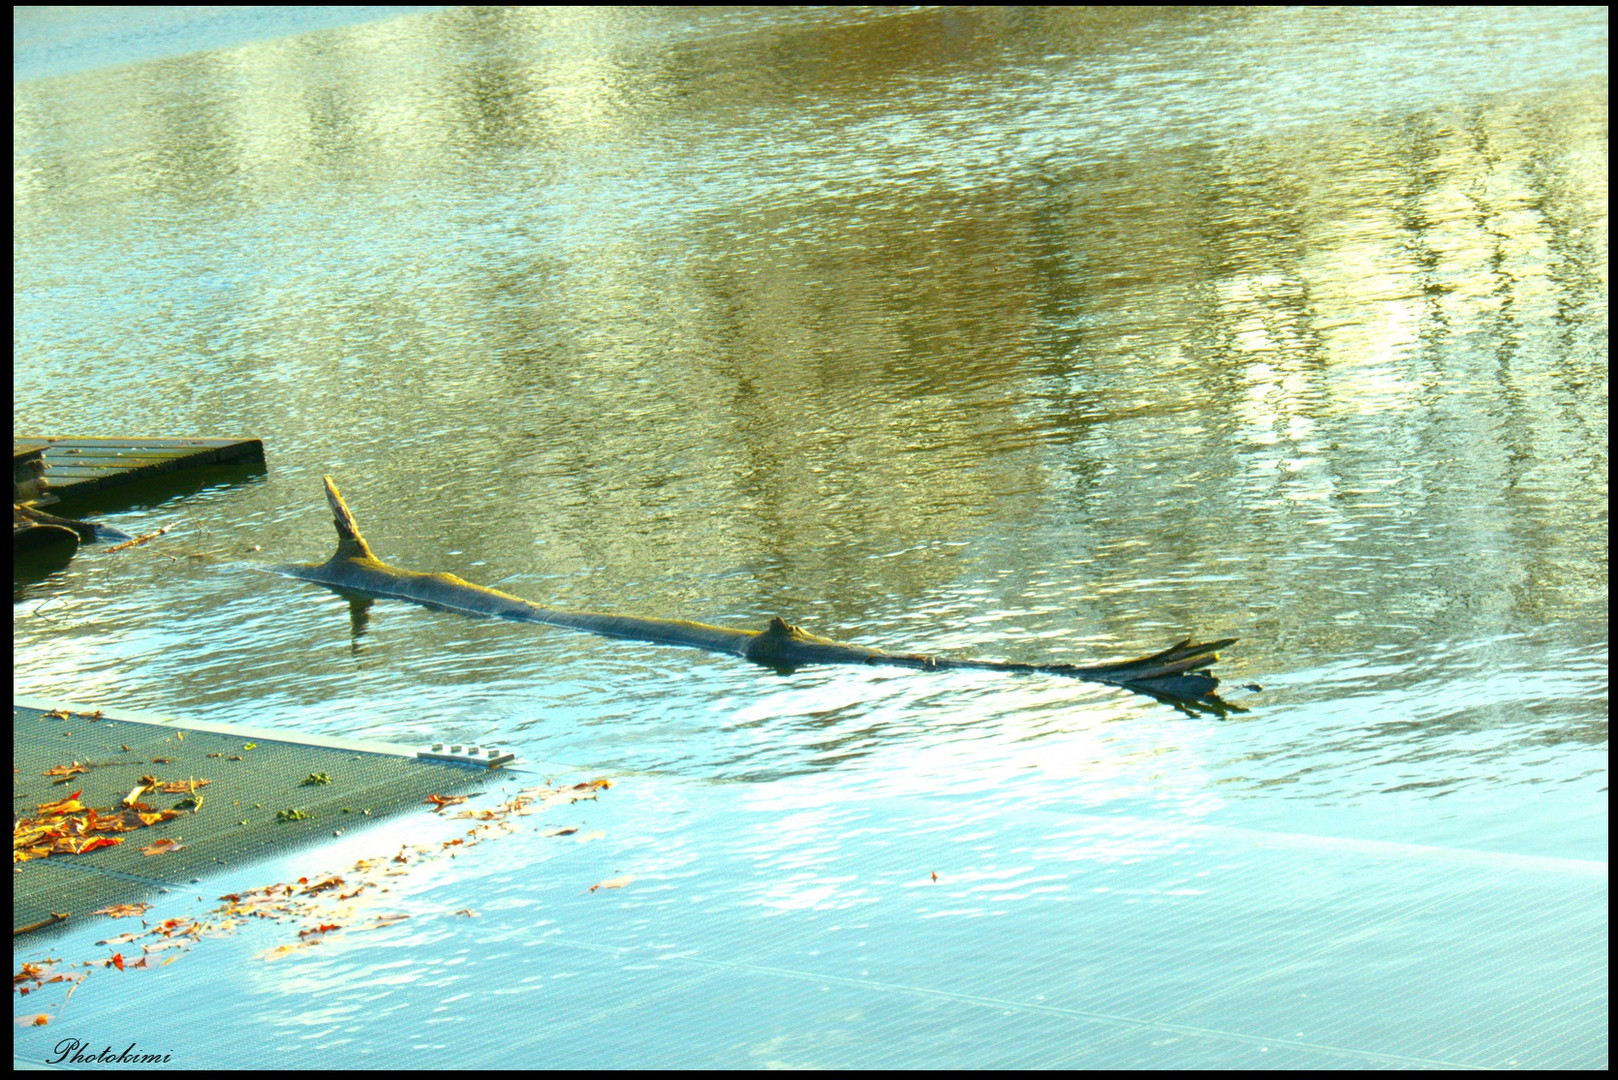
<point x="1039" y="334"/>
<point x="1032" y="334"/>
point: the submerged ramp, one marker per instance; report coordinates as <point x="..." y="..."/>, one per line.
<point x="261" y="793"/>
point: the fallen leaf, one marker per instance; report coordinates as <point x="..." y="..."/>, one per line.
<point x="69" y="805"/>
<point x="615" y="883"/>
<point x="79" y="847"/>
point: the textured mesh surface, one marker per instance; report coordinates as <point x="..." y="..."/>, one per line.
<point x="237" y="822"/>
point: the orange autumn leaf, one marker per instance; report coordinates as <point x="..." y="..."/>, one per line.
<point x="79" y="847"/>
<point x="123" y="911"/>
<point x="162" y="847"/>
<point x="117" y="961"/>
<point x="34" y="829"/>
<point x="67" y="770"/>
<point x="69" y="805"/>
<point x="441" y="801"/>
<point x="123" y="821"/>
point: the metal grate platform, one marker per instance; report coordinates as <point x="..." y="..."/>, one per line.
<point x="255" y="779"/>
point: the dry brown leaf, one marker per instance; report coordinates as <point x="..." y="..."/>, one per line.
<point x="123" y="911"/>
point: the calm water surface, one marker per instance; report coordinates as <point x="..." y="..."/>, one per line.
<point x="1038" y="335"/>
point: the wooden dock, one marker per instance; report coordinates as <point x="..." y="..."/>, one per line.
<point x="75" y="466"/>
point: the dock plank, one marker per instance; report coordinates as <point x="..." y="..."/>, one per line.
<point x="80" y="466"/>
